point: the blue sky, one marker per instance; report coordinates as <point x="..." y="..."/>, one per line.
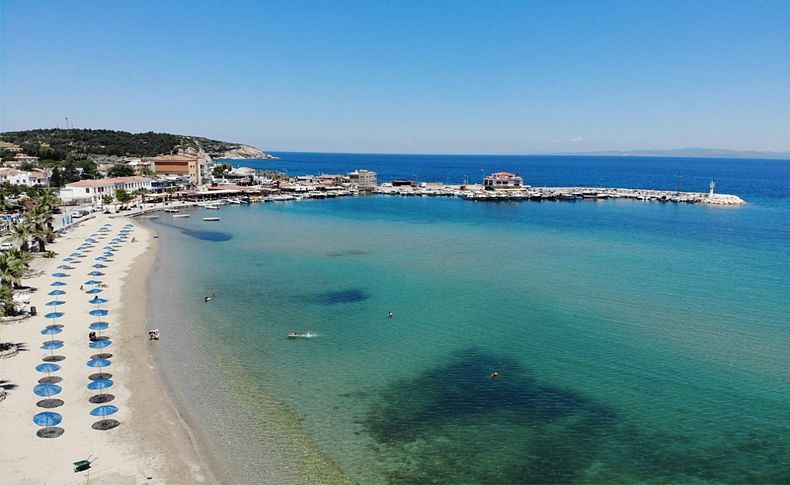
<point x="406" y="76"/>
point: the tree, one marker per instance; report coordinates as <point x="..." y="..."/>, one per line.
<point x="89" y="169"/>
<point x="7" y="303"/>
<point x="12" y="268"/>
<point x="41" y="219"/>
<point x="70" y="172"/>
<point x="141" y="193"/>
<point x="220" y="169"/>
<point x="56" y="179"/>
<point x="123" y="196"/>
<point x="20" y="235"/>
<point x="107" y="199"/>
<point x="146" y="171"/>
<point x="120" y="170"/>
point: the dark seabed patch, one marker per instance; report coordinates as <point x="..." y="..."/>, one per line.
<point x="347" y="252"/>
<point x="203" y="235"/>
<point x="455" y="424"/>
<point x="336" y="297"/>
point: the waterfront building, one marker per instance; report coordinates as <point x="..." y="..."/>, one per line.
<point x="362" y="180"/>
<point x="91" y="191"/>
<point x="180" y="166"/>
<point x="32" y="178"/>
<point x="503" y="180"/>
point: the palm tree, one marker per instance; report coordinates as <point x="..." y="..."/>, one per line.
<point x="12" y="268"/>
<point x="141" y="192"/>
<point x="20" y="234"/>
<point x="41" y="219"/>
<point x="7" y="303"/>
<point x="49" y="200"/>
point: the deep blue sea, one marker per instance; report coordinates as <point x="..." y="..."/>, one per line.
<point x="635" y="341"/>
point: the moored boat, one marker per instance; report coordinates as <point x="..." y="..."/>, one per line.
<point x="181" y="215"/>
<point x="300" y="335"/>
<point x="211" y="219"/>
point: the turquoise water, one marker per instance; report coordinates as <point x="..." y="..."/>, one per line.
<point x="635" y="341"/>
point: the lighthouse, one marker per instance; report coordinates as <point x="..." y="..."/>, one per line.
<point x="712" y="186"/>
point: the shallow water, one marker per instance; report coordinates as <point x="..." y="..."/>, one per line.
<point x="635" y="341"/>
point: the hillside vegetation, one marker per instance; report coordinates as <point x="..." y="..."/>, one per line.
<point x="60" y="144"/>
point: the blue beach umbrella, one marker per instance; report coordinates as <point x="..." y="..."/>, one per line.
<point x="57" y="283"/>
<point x="99" y="313"/>
<point x="101" y="258"/>
<point x="99" y="326"/>
<point x="93" y="282"/>
<point x="107" y="254"/>
<point x="52" y="345"/>
<point x="99" y="265"/>
<point x="55" y="303"/>
<point x="47" y="390"/>
<point x="56" y="293"/>
<point x="54" y="315"/>
<point x="76" y="255"/>
<point x="47" y="418"/>
<point x="100" y="344"/>
<point x="65" y="266"/>
<point x="95" y="273"/>
<point x="51" y="331"/>
<point x="98" y="301"/>
<point x="59" y="275"/>
<point x="104" y="410"/>
<point x="47" y="367"/>
<point x="94" y="291"/>
<point x="99" y="363"/>
<point x="100" y="384"/>
<point x="68" y="260"/>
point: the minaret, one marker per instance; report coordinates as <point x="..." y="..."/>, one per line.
<point x="712" y="186"/>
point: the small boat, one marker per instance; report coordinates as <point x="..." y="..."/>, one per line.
<point x="212" y="207"/>
<point x="171" y="210"/>
<point x="181" y="215"/>
<point x="300" y="335"/>
<point x="150" y="217"/>
<point x="211" y="219"/>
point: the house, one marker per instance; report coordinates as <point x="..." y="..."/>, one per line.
<point x="20" y="177"/>
<point x="22" y="158"/>
<point x="363" y="180"/>
<point x="503" y="180"/>
<point x="91" y="191"/>
<point x="180" y="166"/>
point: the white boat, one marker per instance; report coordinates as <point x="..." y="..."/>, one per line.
<point x="181" y="215"/>
<point x="301" y="335"/>
<point x="211" y="219"/>
<point x="212" y="207"/>
<point x="171" y="210"/>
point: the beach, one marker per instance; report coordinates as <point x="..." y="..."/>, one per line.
<point x="151" y="444"/>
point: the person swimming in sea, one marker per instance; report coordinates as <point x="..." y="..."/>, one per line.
<point x="389" y="314"/>
<point x="208" y="298"/>
<point x="495" y="375"/>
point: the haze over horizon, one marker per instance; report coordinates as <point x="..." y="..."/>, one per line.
<point x="406" y="77"/>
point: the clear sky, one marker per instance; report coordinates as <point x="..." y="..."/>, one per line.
<point x="484" y="76"/>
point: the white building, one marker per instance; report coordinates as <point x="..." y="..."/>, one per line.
<point x="362" y="180"/>
<point x="21" y="177"/>
<point x="503" y="180"/>
<point x="91" y="191"/>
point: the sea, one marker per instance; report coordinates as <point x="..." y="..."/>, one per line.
<point x="634" y="341"/>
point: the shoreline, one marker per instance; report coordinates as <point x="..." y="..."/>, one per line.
<point x="152" y="444"/>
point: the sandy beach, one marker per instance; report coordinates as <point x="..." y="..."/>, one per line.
<point x="152" y="444"/>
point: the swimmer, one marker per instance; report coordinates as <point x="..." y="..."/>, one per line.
<point x="389" y="314"/>
<point x="495" y="375"/>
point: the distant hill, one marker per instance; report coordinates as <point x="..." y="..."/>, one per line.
<point x="690" y="153"/>
<point x="59" y="143"/>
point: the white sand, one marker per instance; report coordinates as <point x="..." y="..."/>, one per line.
<point x="151" y="445"/>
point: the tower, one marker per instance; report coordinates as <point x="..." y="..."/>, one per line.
<point x="712" y="186"/>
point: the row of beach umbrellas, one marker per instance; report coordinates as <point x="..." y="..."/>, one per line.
<point x="48" y="386"/>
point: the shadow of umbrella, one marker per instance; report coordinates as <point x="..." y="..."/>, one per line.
<point x="101" y="356"/>
<point x="105" y="424"/>
<point x="100" y="375"/>
<point x="52" y="432"/>
<point x="50" y="380"/>
<point x="50" y="403"/>
<point x="101" y="398"/>
<point x="53" y="358"/>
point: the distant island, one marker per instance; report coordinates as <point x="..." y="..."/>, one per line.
<point x="686" y="153"/>
<point x="60" y="144"/>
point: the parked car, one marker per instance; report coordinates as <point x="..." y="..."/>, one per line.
<point x="6" y="246"/>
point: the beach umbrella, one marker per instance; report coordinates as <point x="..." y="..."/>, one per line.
<point x="101" y="258"/>
<point x="107" y="254"/>
<point x="99" y="265"/>
<point x="97" y="301"/>
<point x="51" y="331"/>
<point x="95" y="273"/>
<point x="94" y="291"/>
<point x="47" y="367"/>
<point x="46" y="390"/>
<point x="99" y="326"/>
<point x="47" y="418"/>
<point x="52" y="345"/>
<point x="57" y="283"/>
<point x="54" y="315"/>
<point x="99" y="363"/>
<point x="93" y="282"/>
<point x="99" y="313"/>
<point x="76" y="255"/>
<point x="56" y="293"/>
<point x="59" y="275"/>
<point x="55" y="303"/>
<point x="68" y="260"/>
<point x="65" y="266"/>
<point x="100" y="344"/>
<point x="100" y="384"/>
<point x="104" y="410"/>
